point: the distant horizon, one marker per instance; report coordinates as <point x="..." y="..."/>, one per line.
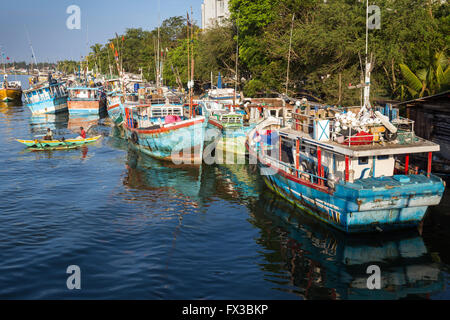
<point x="45" y="23"/>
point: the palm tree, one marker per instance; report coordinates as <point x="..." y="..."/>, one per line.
<point x="432" y="79"/>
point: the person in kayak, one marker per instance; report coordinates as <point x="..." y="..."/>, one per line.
<point x="82" y="133"/>
<point x="49" y="135"/>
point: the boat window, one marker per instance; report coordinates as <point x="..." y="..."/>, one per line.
<point x="384" y="157"/>
<point x="312" y="151"/>
<point x="287" y="155"/>
<point x="363" y="160"/>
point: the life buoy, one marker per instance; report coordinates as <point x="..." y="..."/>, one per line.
<point x="389" y="136"/>
<point x="134" y="137"/>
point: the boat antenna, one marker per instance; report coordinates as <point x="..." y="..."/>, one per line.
<point x="237" y="60"/>
<point x="192" y="63"/>
<point x="368" y="64"/>
<point x="158" y="68"/>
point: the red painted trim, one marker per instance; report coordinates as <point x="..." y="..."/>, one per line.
<point x="279" y="148"/>
<point x="297" y="148"/>
<point x="319" y="164"/>
<point x="290" y="176"/>
<point x="187" y="124"/>
<point x="215" y="123"/>
<point x="407" y="164"/>
<point x="430" y="158"/>
<point x="113" y="106"/>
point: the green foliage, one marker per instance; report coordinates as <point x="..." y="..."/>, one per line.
<point x="254" y="88"/>
<point x="328" y="46"/>
<point x="432" y="79"/>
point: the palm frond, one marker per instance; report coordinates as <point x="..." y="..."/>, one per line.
<point x="414" y="82"/>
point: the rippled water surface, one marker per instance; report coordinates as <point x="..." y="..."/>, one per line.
<point x="142" y="229"/>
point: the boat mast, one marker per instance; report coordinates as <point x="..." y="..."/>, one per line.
<point x="368" y="64"/>
<point x="158" y="61"/>
<point x="32" y="51"/>
<point x="237" y="61"/>
<point x="192" y="65"/>
<point x="188" y="62"/>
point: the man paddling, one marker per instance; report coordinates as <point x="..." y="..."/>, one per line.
<point x="82" y="133"/>
<point x="49" y="135"/>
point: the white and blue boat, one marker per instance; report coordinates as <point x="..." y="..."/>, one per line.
<point x="47" y="98"/>
<point x="355" y="182"/>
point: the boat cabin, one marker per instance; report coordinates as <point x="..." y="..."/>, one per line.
<point x="326" y="145"/>
<point x="85" y="94"/>
<point x="45" y="92"/>
<point x="148" y="116"/>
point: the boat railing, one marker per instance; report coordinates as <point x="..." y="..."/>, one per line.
<point x="308" y="176"/>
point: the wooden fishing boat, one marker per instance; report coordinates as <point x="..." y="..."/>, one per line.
<point x="10" y="90"/>
<point x="165" y="133"/>
<point x="57" y="144"/>
<point x="344" y="178"/>
<point x="46" y="98"/>
<point x="227" y="128"/>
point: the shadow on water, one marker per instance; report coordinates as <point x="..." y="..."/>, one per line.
<point x="322" y="263"/>
<point x="313" y="261"/>
<point x="146" y="173"/>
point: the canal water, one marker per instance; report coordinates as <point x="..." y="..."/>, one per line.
<point x="142" y="229"/>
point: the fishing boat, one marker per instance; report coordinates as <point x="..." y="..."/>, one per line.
<point x="348" y="176"/>
<point x="49" y="97"/>
<point x="86" y="101"/>
<point x="165" y="132"/>
<point x="349" y="167"/>
<point x="37" y="145"/>
<point x="229" y="131"/>
<point x="10" y="90"/>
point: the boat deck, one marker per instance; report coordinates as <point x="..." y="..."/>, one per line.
<point x="372" y="149"/>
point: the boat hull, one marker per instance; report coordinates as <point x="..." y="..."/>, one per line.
<point x="115" y="112"/>
<point x="229" y="140"/>
<point x="54" y="105"/>
<point x="78" y="107"/>
<point x="52" y="144"/>
<point x="179" y="143"/>
<point x="10" y="94"/>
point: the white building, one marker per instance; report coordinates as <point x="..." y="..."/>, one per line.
<point x="214" y="11"/>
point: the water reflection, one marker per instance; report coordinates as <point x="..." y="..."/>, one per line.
<point x="321" y="263"/>
<point x="56" y="122"/>
<point x="146" y="173"/>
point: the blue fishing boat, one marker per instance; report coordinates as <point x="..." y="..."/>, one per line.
<point x="165" y="132"/>
<point x="349" y="167"/>
<point x="114" y="107"/>
<point x="356" y="182"/>
<point x="47" y="98"/>
<point x="227" y="129"/>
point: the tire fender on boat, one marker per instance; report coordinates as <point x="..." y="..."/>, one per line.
<point x="134" y="137"/>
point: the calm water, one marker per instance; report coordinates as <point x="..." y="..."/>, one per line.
<point x="142" y="229"/>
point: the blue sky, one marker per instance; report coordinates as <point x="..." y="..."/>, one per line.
<point x="45" y="21"/>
